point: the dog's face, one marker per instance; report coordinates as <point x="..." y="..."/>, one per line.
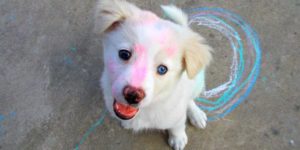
<point x="144" y="56"/>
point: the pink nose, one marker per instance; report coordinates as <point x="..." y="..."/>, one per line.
<point x="133" y="95"/>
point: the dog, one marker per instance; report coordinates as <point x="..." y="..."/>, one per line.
<point x="153" y="68"/>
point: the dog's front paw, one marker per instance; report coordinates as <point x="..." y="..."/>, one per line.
<point x="178" y="142"/>
<point x="197" y="117"/>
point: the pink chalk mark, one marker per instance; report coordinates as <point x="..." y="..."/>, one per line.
<point x="111" y="66"/>
<point x="165" y="37"/>
<point x="171" y="50"/>
<point x="147" y="18"/>
<point x="139" y="69"/>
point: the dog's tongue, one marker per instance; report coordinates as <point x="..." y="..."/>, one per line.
<point x="124" y="111"/>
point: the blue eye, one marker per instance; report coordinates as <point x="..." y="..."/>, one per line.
<point x="162" y="69"/>
<point x="124" y="54"/>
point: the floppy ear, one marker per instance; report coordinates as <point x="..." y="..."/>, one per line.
<point x="196" y="55"/>
<point x="111" y="13"/>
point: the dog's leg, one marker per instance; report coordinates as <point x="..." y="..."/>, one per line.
<point x="177" y="136"/>
<point x="196" y="116"/>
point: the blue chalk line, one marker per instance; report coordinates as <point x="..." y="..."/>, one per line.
<point x="99" y="122"/>
<point x="234" y="88"/>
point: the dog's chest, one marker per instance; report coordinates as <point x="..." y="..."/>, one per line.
<point x="157" y="118"/>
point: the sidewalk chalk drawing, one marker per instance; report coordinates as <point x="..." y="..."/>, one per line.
<point x="244" y="71"/>
<point x="4" y="118"/>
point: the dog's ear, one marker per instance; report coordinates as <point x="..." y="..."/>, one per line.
<point x="196" y="55"/>
<point x="175" y="14"/>
<point x="111" y="13"/>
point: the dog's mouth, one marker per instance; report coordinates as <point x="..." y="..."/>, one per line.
<point x="124" y="111"/>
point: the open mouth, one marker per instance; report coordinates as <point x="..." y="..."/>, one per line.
<point x="124" y="111"/>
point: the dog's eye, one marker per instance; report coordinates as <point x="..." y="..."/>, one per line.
<point x="162" y="69"/>
<point x="124" y="54"/>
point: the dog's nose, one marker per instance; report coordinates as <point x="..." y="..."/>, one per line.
<point x="133" y="95"/>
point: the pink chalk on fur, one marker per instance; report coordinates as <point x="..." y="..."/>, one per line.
<point x="148" y="17"/>
<point x="111" y="66"/>
<point x="171" y="50"/>
<point x="139" y="69"/>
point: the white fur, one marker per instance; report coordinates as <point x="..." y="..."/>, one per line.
<point x="169" y="98"/>
<point x="175" y="14"/>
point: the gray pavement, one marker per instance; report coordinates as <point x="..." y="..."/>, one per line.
<point x="51" y="61"/>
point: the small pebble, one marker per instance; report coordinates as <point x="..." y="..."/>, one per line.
<point x="292" y="142"/>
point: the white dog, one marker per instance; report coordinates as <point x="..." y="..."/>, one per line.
<point x="153" y="68"/>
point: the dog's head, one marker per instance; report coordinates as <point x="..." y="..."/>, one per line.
<point x="145" y="55"/>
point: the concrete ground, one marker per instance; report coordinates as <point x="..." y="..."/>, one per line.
<point x="50" y="63"/>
